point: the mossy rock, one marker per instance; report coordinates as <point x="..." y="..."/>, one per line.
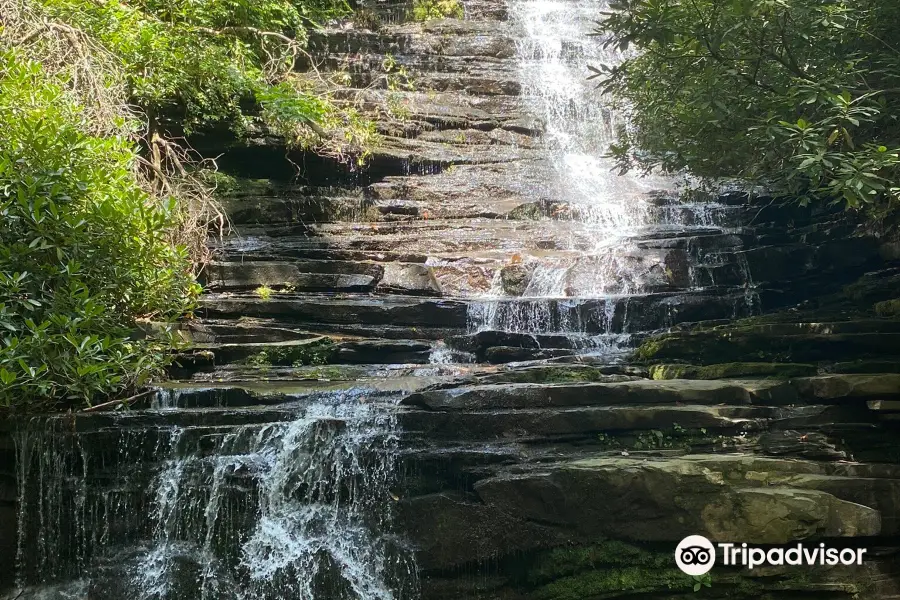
<point x="888" y="308"/>
<point x="729" y="370"/>
<point x="602" y="583"/>
<point x="560" y="374"/>
<point x="867" y="366"/>
<point x="877" y="286"/>
<point x="564" y="562"/>
<point x="317" y="352"/>
<point x="599" y="570"/>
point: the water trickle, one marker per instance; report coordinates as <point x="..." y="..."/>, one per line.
<point x="298" y="508"/>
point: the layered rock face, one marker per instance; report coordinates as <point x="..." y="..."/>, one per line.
<point x="442" y="377"/>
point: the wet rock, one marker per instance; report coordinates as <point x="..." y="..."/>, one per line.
<point x="409" y="278"/>
<point x="514" y="279"/>
<point x="678" y="268"/>
<point x="498" y="355"/>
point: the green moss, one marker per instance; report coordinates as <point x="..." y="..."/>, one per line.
<point x="736" y="369"/>
<point x="548" y="374"/>
<point x="592" y="584"/>
<point x="426" y="10"/>
<point x="888" y="308"/>
<point x="649" y="349"/>
<point x="563" y="562"/>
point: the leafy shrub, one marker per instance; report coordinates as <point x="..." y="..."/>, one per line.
<point x="426" y="10"/>
<point x="84" y="252"/>
<point x="194" y="65"/>
<point x="800" y="96"/>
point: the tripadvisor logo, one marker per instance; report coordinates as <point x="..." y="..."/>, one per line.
<point x="696" y="555"/>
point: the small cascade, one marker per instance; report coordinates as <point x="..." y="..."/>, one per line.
<point x="298" y="508"/>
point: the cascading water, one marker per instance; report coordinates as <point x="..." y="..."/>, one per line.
<point x="582" y="286"/>
<point x="297" y="508"/>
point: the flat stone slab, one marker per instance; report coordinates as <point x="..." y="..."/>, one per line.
<point x="383" y="310"/>
<point x="582" y="422"/>
<point x="640" y="392"/>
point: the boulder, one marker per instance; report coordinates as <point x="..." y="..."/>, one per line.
<point x="666" y="500"/>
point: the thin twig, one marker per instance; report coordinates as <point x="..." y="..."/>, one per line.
<point x="124" y="401"/>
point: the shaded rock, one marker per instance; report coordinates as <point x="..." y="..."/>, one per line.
<point x="449" y="531"/>
<point x="837" y="387"/>
<point x="888" y="308"/>
<point x="640" y="392"/>
<point x="810" y="445"/>
<point x="383" y="352"/>
<point x="670" y="499"/>
<point x="563" y="373"/>
<point x="678" y="268"/>
<point x="583" y="422"/>
<point x="315" y="350"/>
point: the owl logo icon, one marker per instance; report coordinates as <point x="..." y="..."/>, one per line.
<point x="695" y="555"/>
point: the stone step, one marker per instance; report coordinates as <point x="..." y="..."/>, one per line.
<point x="579" y="316"/>
<point x="338" y="309"/>
<point x="628" y="393"/>
<point x="583" y="424"/>
<point x="359" y="373"/>
<point x="826" y="389"/>
<point x="319" y="351"/>
<point x="283" y="274"/>
<point x="321" y="276"/>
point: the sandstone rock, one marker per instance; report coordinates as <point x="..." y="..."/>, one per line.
<point x="410" y="278"/>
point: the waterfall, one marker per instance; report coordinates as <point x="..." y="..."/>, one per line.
<point x="298" y="508"/>
<point x="600" y="218"/>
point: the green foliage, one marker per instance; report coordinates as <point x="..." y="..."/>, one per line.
<point x="318" y="352"/>
<point x="702" y="581"/>
<point x="84" y="252"/>
<point x="426" y="10"/>
<point x="264" y="292"/>
<point x="800" y="96"/>
<point x="198" y="64"/>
